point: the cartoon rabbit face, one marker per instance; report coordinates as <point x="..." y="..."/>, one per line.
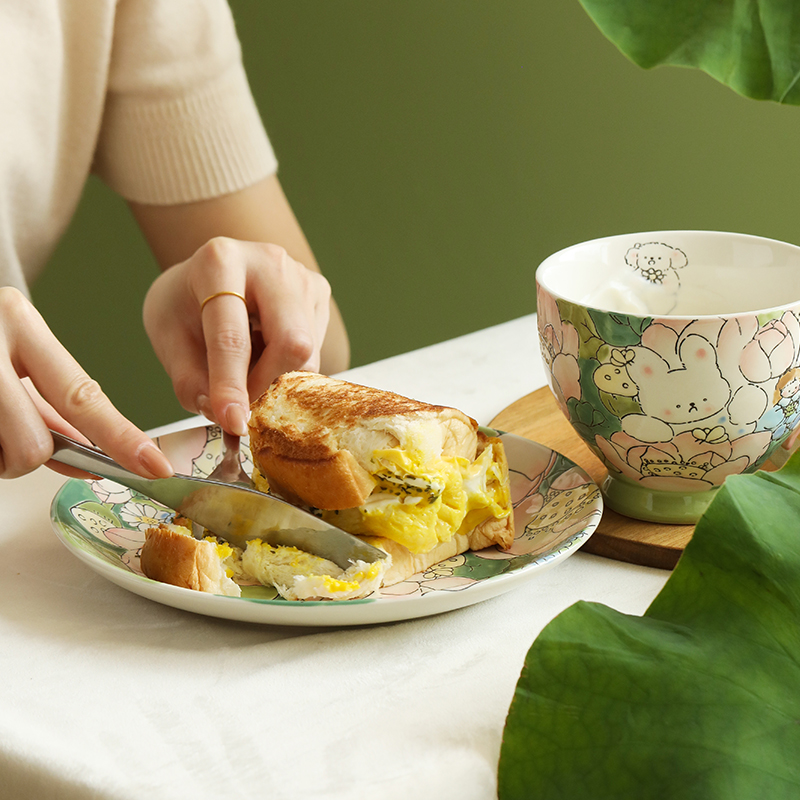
<point x="683" y="396"/>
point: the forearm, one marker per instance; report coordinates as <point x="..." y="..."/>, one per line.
<point x="260" y="213"/>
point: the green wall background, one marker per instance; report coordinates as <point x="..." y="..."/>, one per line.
<point x="435" y="152"/>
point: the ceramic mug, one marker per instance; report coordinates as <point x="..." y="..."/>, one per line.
<point x="675" y="355"/>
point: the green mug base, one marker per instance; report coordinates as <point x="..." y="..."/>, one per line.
<point x="639" y="502"/>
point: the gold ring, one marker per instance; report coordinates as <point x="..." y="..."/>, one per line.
<point x="220" y="294"/>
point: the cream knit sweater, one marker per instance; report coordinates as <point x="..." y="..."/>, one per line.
<point x="148" y="94"/>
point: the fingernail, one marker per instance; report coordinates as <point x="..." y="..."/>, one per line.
<point x="236" y="417"/>
<point x="155" y="462"/>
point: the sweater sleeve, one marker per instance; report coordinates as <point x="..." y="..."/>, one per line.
<point x="180" y="123"/>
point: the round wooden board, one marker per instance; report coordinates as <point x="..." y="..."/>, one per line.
<point x="538" y="417"/>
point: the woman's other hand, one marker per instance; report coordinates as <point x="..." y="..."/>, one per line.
<point x="43" y="386"/>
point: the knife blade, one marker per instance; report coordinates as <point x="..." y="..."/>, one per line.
<point x="233" y="513"/>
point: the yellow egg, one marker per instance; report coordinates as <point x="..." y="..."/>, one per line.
<point x="421" y="501"/>
<point x="298" y="575"/>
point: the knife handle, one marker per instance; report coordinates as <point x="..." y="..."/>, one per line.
<point x="89" y="459"/>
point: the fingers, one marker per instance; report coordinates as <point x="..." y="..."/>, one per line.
<point x="171" y="319"/>
<point x="73" y="401"/>
<point x="55" y="422"/>
<point x="227" y="337"/>
<point x="293" y="325"/>
<point x="25" y="443"/>
<point x="199" y="327"/>
<point x="206" y="315"/>
<point x="288" y="306"/>
<point x="217" y="278"/>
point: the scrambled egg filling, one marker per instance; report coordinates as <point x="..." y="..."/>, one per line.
<point x="230" y="559"/>
<point x="260" y="483"/>
<point x="298" y="575"/>
<point x="420" y="506"/>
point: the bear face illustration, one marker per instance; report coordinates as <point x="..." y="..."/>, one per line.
<point x="655" y="261"/>
<point x="693" y="396"/>
<point x="651" y="287"/>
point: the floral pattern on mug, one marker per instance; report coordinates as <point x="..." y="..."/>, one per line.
<point x="670" y="403"/>
<point x="559" y="344"/>
<point x="686" y="463"/>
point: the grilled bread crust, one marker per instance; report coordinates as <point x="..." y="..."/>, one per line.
<point x="181" y="560"/>
<point x="312" y="436"/>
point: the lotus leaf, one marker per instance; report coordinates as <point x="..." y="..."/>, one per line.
<point x="699" y="697"/>
<point x="749" y="45"/>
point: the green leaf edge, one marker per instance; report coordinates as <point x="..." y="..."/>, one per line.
<point x="747" y="45"/>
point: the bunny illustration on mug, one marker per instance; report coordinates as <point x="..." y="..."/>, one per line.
<point x="692" y="397"/>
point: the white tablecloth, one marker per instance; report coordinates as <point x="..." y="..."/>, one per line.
<point x="105" y="694"/>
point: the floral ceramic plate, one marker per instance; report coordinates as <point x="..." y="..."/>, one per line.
<point x="556" y="507"/>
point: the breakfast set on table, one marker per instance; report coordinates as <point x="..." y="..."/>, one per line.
<point x="660" y="365"/>
<point x="672" y="369"/>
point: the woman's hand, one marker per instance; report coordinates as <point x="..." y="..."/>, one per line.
<point x="222" y="353"/>
<point x="230" y="319"/>
<point x="42" y="386"/>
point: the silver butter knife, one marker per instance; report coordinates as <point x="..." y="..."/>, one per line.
<point x="234" y="513"/>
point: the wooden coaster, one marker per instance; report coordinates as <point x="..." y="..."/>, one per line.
<point x="538" y="417"/>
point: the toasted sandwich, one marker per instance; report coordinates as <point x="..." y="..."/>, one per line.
<point x="419" y="481"/>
